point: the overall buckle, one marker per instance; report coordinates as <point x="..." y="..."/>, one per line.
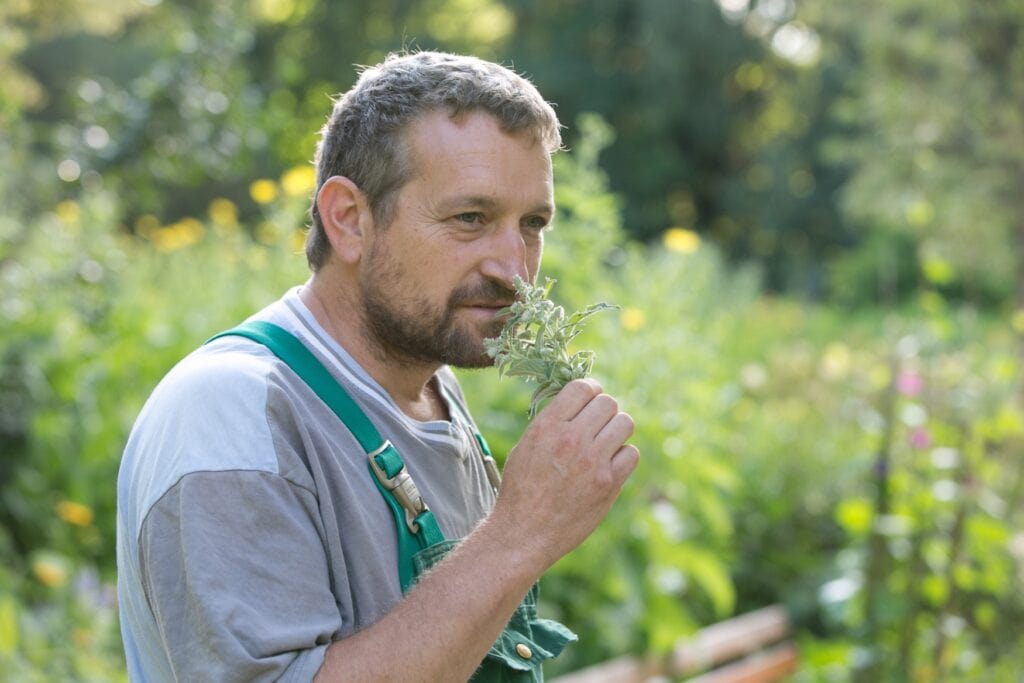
<point x="401" y="486"/>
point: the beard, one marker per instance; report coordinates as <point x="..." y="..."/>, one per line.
<point x="409" y="329"/>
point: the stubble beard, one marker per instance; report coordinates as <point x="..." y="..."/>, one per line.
<point x="408" y="330"/>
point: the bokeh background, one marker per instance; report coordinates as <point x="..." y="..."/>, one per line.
<point x="811" y="214"/>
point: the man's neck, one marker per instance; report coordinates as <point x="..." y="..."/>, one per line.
<point x="411" y="385"/>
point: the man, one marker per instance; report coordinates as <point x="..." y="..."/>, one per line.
<point x="253" y="542"/>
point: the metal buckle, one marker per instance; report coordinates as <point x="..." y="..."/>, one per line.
<point x="493" y="474"/>
<point x="490" y="464"/>
<point x="402" y="487"/>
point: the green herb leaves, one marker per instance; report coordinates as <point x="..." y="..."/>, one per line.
<point x="534" y="343"/>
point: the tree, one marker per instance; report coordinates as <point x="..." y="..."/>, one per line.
<point x="937" y="147"/>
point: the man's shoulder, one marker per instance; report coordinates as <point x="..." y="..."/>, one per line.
<point x="209" y="413"/>
<point x="222" y="365"/>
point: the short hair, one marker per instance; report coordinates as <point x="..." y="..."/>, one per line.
<point x="363" y="137"/>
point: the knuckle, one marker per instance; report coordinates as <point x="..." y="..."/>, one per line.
<point x="585" y="387"/>
<point x="541" y="422"/>
<point x="627" y="422"/>
<point x="566" y="441"/>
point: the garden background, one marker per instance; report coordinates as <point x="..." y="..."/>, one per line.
<point x="811" y="214"/>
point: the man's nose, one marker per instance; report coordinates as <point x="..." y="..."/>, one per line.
<point x="509" y="256"/>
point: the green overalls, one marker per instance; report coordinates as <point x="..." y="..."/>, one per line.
<point x="527" y="641"/>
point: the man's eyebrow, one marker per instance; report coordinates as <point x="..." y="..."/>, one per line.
<point x="486" y="203"/>
<point x="468" y="202"/>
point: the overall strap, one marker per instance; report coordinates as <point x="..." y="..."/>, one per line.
<point x="416" y="524"/>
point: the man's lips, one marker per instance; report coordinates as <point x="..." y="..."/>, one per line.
<point x="495" y="305"/>
<point x="487" y="309"/>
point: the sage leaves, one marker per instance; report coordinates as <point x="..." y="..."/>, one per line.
<point x="534" y="344"/>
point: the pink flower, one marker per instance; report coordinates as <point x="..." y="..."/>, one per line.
<point x="909" y="383"/>
<point x="920" y="438"/>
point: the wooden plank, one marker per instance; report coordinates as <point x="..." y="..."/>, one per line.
<point x="729" y="639"/>
<point x="710" y="647"/>
<point x="620" y="670"/>
<point x="763" y="667"/>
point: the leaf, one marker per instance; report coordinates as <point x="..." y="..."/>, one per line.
<point x="528" y="367"/>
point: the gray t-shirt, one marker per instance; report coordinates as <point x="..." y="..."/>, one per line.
<point x="250" y="534"/>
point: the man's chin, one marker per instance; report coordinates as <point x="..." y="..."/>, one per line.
<point x="482" y="364"/>
<point x="464" y="343"/>
<point x="468" y="353"/>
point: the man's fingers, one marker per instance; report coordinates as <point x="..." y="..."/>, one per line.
<point x="573" y="398"/>
<point x="625" y="461"/>
<point x="614" y="433"/>
<point x="597" y="414"/>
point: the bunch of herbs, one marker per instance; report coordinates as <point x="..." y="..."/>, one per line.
<point x="534" y="343"/>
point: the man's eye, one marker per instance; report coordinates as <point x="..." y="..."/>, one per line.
<point x="536" y="222"/>
<point x="471" y="217"/>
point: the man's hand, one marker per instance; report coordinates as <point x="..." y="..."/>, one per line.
<point x="560" y="480"/>
<point x="562" y="477"/>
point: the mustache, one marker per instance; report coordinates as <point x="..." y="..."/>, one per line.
<point x="487" y="292"/>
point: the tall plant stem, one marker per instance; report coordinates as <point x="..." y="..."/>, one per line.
<point x="878" y="561"/>
<point x="965" y="501"/>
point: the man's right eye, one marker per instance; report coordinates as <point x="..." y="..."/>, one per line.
<point x="470" y="217"/>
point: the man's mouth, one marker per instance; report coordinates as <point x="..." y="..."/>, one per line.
<point x="495" y="304"/>
<point x="489" y="311"/>
<point x="486" y="307"/>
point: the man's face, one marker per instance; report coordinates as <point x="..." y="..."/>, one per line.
<point x="470" y="219"/>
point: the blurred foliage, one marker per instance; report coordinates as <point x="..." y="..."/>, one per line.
<point x="827" y="145"/>
<point x="937" y="149"/>
<point x="859" y="463"/>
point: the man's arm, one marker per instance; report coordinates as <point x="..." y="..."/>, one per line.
<point x="560" y="481"/>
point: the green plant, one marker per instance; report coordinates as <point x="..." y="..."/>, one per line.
<point x="534" y="344"/>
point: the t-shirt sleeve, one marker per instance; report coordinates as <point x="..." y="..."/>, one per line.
<point x="235" y="571"/>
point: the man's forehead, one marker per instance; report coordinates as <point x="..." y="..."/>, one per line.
<point x="475" y="149"/>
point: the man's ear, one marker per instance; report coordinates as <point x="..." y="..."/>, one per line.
<point x="345" y="216"/>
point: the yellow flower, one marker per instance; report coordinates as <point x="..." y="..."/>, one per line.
<point x="184" y="233"/>
<point x="263" y="191"/>
<point x="223" y="211"/>
<point x="191" y="229"/>
<point x="298" y="181"/>
<point x="74" y="513"/>
<point x="632" y="319"/>
<point x="681" y="240"/>
<point x="68" y="211"/>
<point x="50" y="572"/>
<point x="166" y="239"/>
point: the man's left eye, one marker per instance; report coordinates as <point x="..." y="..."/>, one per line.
<point x="535" y="222"/>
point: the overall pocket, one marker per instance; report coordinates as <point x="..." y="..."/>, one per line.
<point x="526" y="642"/>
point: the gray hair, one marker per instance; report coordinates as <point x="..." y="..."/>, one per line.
<point x="362" y="139"/>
